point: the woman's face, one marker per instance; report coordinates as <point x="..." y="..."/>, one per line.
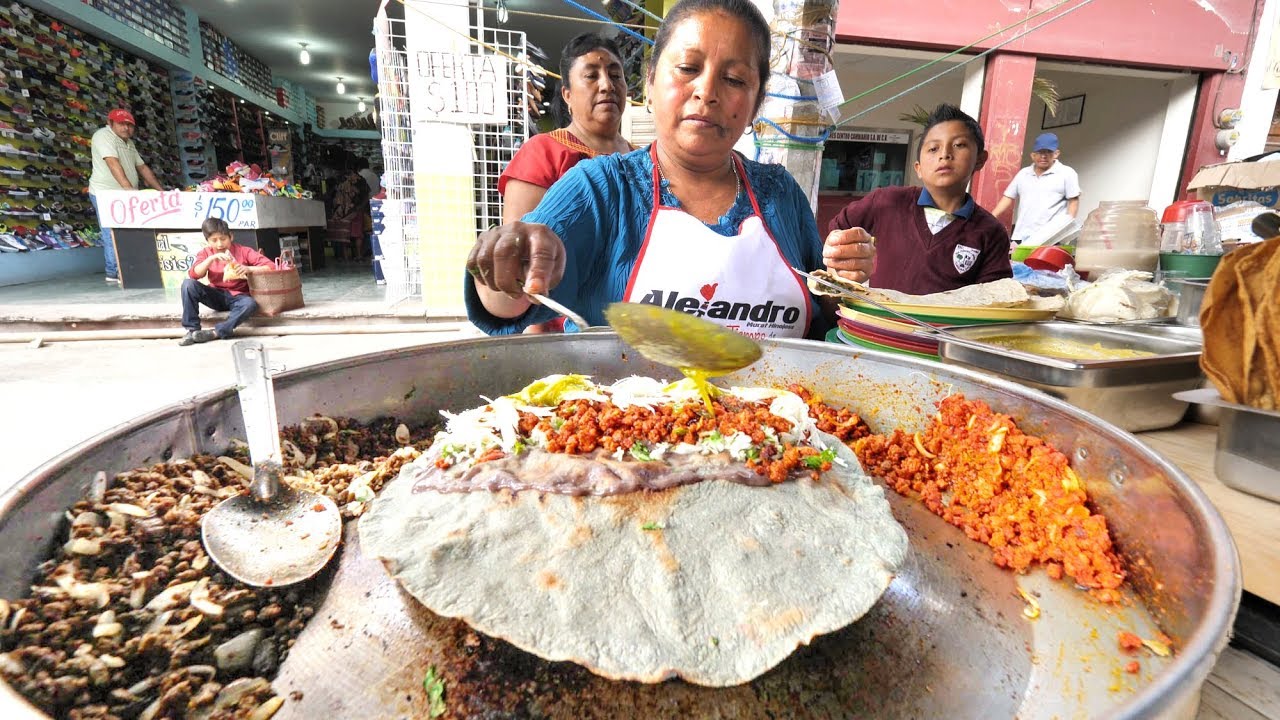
<point x="704" y="87"/>
<point x="596" y="91"/>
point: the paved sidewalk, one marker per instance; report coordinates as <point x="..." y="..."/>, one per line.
<point x="56" y="396"/>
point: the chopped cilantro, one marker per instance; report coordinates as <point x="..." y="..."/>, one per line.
<point x="752" y="453"/>
<point x="518" y="447"/>
<point x="653" y="526"/>
<point x="715" y="641"/>
<point x="449" y="451"/>
<point x="434" y="685"/>
<point x="557" y="422"/>
<point x="640" y="452"/>
<point x="815" y="462"/>
<point x="714" y="436"/>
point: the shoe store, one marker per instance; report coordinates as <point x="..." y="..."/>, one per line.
<point x="125" y="125"/>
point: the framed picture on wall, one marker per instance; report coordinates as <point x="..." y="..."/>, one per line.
<point x="1070" y="112"/>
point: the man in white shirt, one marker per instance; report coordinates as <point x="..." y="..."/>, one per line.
<point x="116" y="166"/>
<point x="1045" y="190"/>
<point x="370" y="177"/>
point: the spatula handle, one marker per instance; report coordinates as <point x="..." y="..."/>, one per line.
<point x="258" y="407"/>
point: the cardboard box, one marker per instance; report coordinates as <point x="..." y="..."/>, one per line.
<point x="1231" y="182"/>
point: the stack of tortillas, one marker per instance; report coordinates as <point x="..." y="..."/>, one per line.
<point x="1004" y="293"/>
<point x="1240" y="319"/>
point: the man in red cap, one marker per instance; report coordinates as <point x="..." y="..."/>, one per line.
<point x="116" y="166"/>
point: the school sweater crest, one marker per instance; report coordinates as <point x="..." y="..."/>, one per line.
<point x="911" y="259"/>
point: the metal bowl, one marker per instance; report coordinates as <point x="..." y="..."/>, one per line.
<point x="948" y="639"/>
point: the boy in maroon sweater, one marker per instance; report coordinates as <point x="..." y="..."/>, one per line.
<point x="930" y="239"/>
<point x="227" y="265"/>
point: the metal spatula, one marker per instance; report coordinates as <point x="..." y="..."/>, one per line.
<point x="275" y="535"/>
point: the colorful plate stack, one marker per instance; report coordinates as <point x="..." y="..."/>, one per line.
<point x="865" y="325"/>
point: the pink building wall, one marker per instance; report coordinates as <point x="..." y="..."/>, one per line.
<point x="1161" y="34"/>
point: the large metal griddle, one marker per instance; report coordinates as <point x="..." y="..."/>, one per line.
<point x="948" y="639"/>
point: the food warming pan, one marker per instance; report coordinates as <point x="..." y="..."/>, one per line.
<point x="948" y="639"/>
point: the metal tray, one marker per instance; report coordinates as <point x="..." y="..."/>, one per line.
<point x="948" y="639"/>
<point x="1247" y="457"/>
<point x="1133" y="393"/>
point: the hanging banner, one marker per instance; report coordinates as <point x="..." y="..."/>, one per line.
<point x="462" y="87"/>
<point x="871" y="136"/>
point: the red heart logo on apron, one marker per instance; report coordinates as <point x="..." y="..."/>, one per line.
<point x="708" y="291"/>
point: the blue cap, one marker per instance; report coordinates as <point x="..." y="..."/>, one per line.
<point x="1045" y="141"/>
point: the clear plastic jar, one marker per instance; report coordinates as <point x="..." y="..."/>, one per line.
<point x="1119" y="234"/>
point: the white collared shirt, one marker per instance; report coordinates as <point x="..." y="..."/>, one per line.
<point x="1041" y="198"/>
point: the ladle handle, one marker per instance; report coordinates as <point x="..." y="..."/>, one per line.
<point x="258" y="406"/>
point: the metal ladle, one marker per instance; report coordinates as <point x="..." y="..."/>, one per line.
<point x="275" y="535"/>
<point x="698" y="348"/>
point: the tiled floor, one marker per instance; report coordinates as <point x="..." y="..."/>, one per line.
<point x="340" y="282"/>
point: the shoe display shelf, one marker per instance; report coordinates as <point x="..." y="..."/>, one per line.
<point x="160" y="20"/>
<point x="196" y="153"/>
<point x="223" y="56"/>
<point x="56" y="88"/>
<point x="253" y="134"/>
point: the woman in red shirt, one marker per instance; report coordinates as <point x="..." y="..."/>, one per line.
<point x="593" y="95"/>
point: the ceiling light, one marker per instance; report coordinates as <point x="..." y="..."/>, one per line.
<point x="503" y="15"/>
<point x="304" y="57"/>
<point x="360" y="105"/>
<point x="342" y="89"/>
<point x="241" y="101"/>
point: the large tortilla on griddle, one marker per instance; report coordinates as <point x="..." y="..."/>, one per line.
<point x="735" y="580"/>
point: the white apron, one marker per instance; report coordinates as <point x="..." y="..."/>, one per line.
<point x="742" y="282"/>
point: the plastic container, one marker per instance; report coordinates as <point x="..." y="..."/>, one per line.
<point x="1118" y="234"/>
<point x="1189" y="226"/>
<point x="1052" y="258"/>
<point x="1188" y="265"/>
<point x="1202" y="236"/>
<point x="1022" y="252"/>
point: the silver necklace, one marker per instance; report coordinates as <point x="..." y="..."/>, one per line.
<point x="732" y="166"/>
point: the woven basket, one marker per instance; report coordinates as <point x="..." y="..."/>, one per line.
<point x="276" y="291"/>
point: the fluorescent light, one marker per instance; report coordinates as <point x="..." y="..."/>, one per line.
<point x="503" y="15"/>
<point x="304" y="57"/>
<point x="342" y="89"/>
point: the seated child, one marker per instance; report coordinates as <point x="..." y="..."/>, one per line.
<point x="929" y="239"/>
<point x="227" y="265"/>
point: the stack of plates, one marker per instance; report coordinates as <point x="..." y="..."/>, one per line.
<point x="868" y="326"/>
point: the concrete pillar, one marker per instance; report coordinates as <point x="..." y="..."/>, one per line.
<point x="1006" y="98"/>
<point x="1217" y="92"/>
<point x="804" y="35"/>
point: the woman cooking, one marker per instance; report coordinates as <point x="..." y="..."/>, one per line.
<point x="685" y="223"/>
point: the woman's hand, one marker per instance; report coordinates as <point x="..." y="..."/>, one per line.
<point x="513" y="259"/>
<point x="850" y="254"/>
